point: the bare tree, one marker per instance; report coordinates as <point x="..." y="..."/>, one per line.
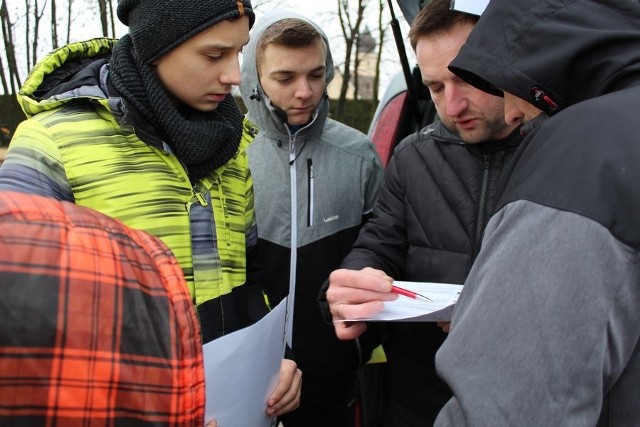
<point x="104" y="19"/>
<point x="3" y="79"/>
<point x="21" y="50"/>
<point x="350" y="31"/>
<point x="54" y="25"/>
<point x="37" y="17"/>
<point x="112" y="20"/>
<point x="356" y="65"/>
<point x="4" y="17"/>
<point x="382" y="30"/>
<point x="13" y="80"/>
<point x="27" y="39"/>
<point x="68" y="36"/>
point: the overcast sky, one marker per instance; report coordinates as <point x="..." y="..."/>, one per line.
<point x="323" y="12"/>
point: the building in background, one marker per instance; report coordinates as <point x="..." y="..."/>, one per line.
<point x="367" y="55"/>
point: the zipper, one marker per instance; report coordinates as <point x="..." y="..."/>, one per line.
<point x="293" y="259"/>
<point x="225" y="211"/>
<point x="481" y="204"/>
<point x="200" y="197"/>
<point x="292" y="150"/>
<point x="310" y="192"/>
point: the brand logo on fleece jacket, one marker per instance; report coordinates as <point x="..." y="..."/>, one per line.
<point x="331" y="218"/>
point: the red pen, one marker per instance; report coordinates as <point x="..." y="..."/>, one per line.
<point x="407" y="293"/>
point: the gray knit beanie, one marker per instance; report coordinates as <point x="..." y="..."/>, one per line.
<point x="157" y="26"/>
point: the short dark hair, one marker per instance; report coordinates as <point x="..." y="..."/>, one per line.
<point x="437" y="17"/>
<point x="289" y="32"/>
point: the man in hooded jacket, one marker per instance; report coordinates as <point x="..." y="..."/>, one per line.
<point x="439" y="189"/>
<point x="547" y="329"/>
<point x="315" y="181"/>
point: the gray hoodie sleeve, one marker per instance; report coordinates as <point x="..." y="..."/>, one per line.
<point x="547" y="326"/>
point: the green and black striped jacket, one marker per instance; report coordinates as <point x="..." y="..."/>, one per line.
<point x="80" y="145"/>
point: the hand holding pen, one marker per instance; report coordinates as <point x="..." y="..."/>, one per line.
<point x="354" y="294"/>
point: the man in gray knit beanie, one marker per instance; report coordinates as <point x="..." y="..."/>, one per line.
<point x="157" y="26"/>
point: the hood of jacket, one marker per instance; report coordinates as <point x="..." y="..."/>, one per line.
<point x="70" y="72"/>
<point x="553" y="53"/>
<point x="259" y="108"/>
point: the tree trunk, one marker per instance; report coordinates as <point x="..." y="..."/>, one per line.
<point x="68" y="35"/>
<point x="12" y="66"/>
<point x="382" y="29"/>
<point x="356" y="68"/>
<point x="27" y="31"/>
<point x="350" y="33"/>
<point x="104" y="20"/>
<point x="54" y="25"/>
<point x="37" y="16"/>
<point x="112" y="20"/>
<point x="3" y="78"/>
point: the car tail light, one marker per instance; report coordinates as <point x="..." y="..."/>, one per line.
<point x="385" y="129"/>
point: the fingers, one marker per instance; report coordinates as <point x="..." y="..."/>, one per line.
<point x="354" y="295"/>
<point x="355" y="287"/>
<point x="212" y="423"/>
<point x="349" y="330"/>
<point x="286" y="395"/>
<point x="446" y="326"/>
<point x="347" y="311"/>
<point x="368" y="279"/>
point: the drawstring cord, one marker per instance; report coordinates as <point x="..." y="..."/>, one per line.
<point x="544" y="99"/>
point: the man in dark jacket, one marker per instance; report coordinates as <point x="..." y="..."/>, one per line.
<point x="548" y="326"/>
<point x="427" y="225"/>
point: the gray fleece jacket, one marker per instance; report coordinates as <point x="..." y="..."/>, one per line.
<point x="314" y="188"/>
<point x="547" y="330"/>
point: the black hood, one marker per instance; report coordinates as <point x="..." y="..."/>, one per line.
<point x="410" y="8"/>
<point x="553" y="53"/>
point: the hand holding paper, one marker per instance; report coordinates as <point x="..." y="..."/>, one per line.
<point x="436" y="304"/>
<point x="242" y="369"/>
<point x="286" y="395"/>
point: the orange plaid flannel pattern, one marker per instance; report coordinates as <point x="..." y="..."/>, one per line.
<point x="97" y="327"/>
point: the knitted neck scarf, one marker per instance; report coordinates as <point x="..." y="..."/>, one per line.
<point x="203" y="141"/>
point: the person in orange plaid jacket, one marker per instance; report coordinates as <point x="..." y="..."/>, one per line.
<point x="97" y="324"/>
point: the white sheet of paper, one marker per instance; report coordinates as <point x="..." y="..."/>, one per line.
<point x="443" y="295"/>
<point x="241" y="369"/>
<point x="475" y="7"/>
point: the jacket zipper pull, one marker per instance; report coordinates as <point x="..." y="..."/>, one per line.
<point x="201" y="199"/>
<point x="309" y="192"/>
